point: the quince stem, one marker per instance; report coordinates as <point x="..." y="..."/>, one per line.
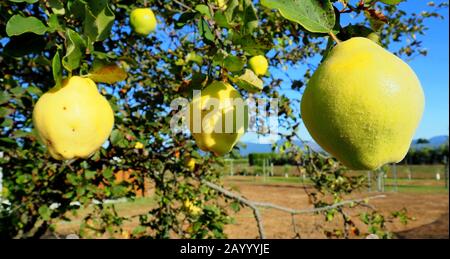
<point x="333" y="36"/>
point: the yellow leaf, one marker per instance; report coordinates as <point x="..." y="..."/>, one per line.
<point x="109" y="74"/>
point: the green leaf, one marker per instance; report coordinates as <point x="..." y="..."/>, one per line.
<point x="116" y="137"/>
<point x="4" y="97"/>
<point x="249" y="81"/>
<point x="75" y="50"/>
<point x="18" y="24"/>
<point x="77" y="8"/>
<point x="252" y="46"/>
<point x="235" y="206"/>
<point x="250" y="18"/>
<point x="194" y="57"/>
<point x="314" y="15"/>
<point x="7" y="122"/>
<point x="53" y="23"/>
<point x="138" y="230"/>
<point x="5" y="112"/>
<point x="183" y="19"/>
<point x="21" y="1"/>
<point x="45" y="212"/>
<point x="34" y="90"/>
<point x="221" y="19"/>
<point x="234" y="63"/>
<point x="204" y="10"/>
<point x="57" y="7"/>
<point x="391" y="2"/>
<point x="57" y="71"/>
<point x="89" y="174"/>
<point x="108" y="73"/>
<point x="98" y="20"/>
<point x="205" y="30"/>
<point x="230" y="11"/>
<point x="351" y="31"/>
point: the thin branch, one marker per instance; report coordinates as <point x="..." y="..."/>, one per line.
<point x="294" y="225"/>
<point x="320" y="209"/>
<point x="243" y="201"/>
<point x="183" y="5"/>
<point x="333" y="36"/>
<point x="254" y="205"/>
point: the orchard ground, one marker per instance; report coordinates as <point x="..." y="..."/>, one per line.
<point x="425" y="198"/>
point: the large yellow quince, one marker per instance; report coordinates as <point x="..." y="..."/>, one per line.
<point x="218" y="118"/>
<point x="259" y="64"/>
<point x="73" y="121"/>
<point x="143" y="20"/>
<point x="363" y="105"/>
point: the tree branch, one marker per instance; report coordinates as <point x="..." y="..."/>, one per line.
<point x="242" y="200"/>
<point x="254" y="205"/>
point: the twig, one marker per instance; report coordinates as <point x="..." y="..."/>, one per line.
<point x="254" y="205"/>
<point x="294" y="226"/>
<point x="333" y="36"/>
<point x="183" y="5"/>
<point x="315" y="210"/>
<point x="242" y="200"/>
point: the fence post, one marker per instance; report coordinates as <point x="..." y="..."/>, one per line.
<point x="271" y="169"/>
<point x="380" y="180"/>
<point x="394" y="174"/>
<point x="231" y="167"/>
<point x="446" y="172"/>
<point x="369" y="180"/>
<point x="264" y="170"/>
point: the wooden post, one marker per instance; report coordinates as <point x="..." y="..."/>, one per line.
<point x="271" y="169"/>
<point x="231" y="167"/>
<point x="369" y="180"/>
<point x="264" y="170"/>
<point x="446" y="172"/>
<point x="394" y="175"/>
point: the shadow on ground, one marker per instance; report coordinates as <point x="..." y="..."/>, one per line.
<point x="438" y="229"/>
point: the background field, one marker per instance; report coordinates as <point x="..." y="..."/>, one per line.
<point x="425" y="198"/>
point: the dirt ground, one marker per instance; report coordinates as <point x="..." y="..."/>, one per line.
<point x="430" y="213"/>
<point x="429" y="210"/>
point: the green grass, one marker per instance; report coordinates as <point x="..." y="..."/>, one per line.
<point x="403" y="185"/>
<point x="403" y="171"/>
<point x="417" y="189"/>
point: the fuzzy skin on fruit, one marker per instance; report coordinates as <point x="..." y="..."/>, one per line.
<point x="215" y="110"/>
<point x="259" y="65"/>
<point x="363" y="105"/>
<point x="74" y="120"/>
<point x="143" y="21"/>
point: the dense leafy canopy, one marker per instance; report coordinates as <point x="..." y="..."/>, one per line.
<point x="195" y="42"/>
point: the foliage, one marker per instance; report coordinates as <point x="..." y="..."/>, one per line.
<point x="45" y="41"/>
<point x="427" y="155"/>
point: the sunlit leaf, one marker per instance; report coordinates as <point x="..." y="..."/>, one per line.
<point x="18" y="24"/>
<point x="313" y="15"/>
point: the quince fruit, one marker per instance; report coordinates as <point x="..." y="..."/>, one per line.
<point x="259" y="65"/>
<point x="73" y="120"/>
<point x="143" y="21"/>
<point x="363" y="105"/>
<point x="218" y="118"/>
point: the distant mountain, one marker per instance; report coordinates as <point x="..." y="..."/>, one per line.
<point x="247" y="148"/>
<point x="432" y="142"/>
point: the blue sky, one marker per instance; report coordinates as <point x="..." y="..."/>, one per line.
<point x="432" y="71"/>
